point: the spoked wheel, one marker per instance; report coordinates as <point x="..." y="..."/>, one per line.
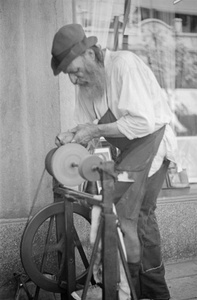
<point x="42" y="249"/>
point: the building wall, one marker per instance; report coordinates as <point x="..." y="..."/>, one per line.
<point x="35" y="106"/>
<point x="30" y="101"/>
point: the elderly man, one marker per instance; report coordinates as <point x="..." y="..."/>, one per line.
<point x="120" y="99"/>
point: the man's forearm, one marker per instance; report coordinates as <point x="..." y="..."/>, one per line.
<point x="83" y="133"/>
<point x="109" y="130"/>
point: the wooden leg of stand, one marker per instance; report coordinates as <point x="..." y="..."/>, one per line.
<point x="70" y="250"/>
<point x="110" y="258"/>
<point x="65" y="231"/>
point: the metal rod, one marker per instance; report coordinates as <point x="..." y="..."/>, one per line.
<point x="74" y="165"/>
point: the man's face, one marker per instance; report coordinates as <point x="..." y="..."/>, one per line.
<point x="77" y="71"/>
<point x="85" y="72"/>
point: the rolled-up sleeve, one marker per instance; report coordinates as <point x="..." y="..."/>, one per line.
<point x="134" y="100"/>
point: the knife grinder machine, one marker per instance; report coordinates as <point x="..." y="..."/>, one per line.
<point x="71" y="165"/>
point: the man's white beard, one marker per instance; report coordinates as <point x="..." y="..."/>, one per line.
<point x="95" y="89"/>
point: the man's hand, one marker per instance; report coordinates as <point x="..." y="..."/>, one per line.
<point x="64" y="138"/>
<point x="81" y="134"/>
<point x="85" y="133"/>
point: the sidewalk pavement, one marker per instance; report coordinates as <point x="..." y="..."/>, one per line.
<point x="181" y="278"/>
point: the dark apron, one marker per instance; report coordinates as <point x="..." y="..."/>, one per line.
<point x="135" y="155"/>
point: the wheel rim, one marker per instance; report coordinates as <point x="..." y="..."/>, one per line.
<point x="31" y="233"/>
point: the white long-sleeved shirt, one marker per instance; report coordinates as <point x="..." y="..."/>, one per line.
<point x="136" y="100"/>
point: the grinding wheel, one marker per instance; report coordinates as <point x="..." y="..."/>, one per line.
<point x="48" y="161"/>
<point x="88" y="168"/>
<point x="63" y="162"/>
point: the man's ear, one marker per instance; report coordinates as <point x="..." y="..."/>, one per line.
<point x="91" y="53"/>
